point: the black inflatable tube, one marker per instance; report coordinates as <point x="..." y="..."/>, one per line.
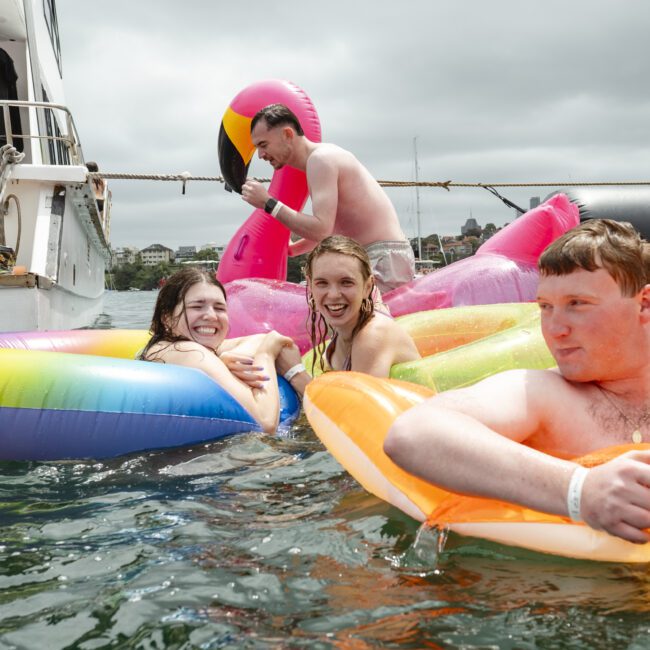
<point x="629" y="203"/>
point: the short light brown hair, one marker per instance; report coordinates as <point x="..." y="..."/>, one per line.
<point x="601" y="244"/>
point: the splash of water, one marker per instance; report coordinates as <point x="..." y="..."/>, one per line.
<point x="423" y="555"/>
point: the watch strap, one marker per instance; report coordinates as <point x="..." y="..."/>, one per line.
<point x="269" y="205"/>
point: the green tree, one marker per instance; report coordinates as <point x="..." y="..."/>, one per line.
<point x="139" y="276"/>
<point x="124" y="276"/>
<point x="206" y="254"/>
<point x="489" y="230"/>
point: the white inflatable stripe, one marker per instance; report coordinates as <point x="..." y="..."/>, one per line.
<point x="569" y="540"/>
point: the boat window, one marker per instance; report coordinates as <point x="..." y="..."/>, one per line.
<point x="58" y="152"/>
<point x="49" y="119"/>
<point x="49" y="11"/>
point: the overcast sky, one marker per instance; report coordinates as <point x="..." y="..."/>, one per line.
<point x="499" y="91"/>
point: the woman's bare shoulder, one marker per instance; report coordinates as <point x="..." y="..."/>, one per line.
<point x="375" y="330"/>
<point x="178" y="352"/>
<point x="381" y="333"/>
<point x="385" y="329"/>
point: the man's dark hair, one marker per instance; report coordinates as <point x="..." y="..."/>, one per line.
<point x="277" y="115"/>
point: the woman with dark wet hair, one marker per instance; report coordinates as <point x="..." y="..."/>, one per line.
<point x="189" y="328"/>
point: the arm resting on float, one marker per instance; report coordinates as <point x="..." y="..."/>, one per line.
<point x="443" y="444"/>
<point x="263" y="404"/>
<point x="480" y="455"/>
<point x="289" y="365"/>
<point x="458" y="453"/>
<point x="299" y="382"/>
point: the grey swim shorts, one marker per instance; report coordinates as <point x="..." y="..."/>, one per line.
<point x="392" y="262"/>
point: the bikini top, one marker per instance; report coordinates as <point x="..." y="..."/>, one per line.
<point x="347" y="362"/>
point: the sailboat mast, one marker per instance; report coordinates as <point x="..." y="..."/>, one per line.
<point x="417" y="195"/>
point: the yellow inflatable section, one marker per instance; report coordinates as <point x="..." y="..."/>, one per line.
<point x="463" y="345"/>
<point x="437" y="330"/>
<point x="352" y="412"/>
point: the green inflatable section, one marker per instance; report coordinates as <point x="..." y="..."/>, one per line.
<point x="443" y="329"/>
<point x="477" y="341"/>
<point x="518" y="347"/>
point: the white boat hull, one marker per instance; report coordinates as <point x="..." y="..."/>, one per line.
<point x="33" y="308"/>
<point x="54" y="216"/>
<point x="62" y="250"/>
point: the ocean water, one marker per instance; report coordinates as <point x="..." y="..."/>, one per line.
<point x="265" y="542"/>
<point x="127" y="310"/>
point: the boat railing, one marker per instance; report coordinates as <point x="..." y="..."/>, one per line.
<point x="63" y="147"/>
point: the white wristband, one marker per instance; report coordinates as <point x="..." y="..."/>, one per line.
<point x="293" y="371"/>
<point x="276" y="208"/>
<point x="574" y="493"/>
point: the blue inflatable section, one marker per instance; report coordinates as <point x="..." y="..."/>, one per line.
<point x="56" y="406"/>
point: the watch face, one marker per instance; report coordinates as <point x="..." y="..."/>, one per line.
<point x="269" y="205"/>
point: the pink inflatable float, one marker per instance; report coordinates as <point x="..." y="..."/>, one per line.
<point x="260" y="305"/>
<point x="259" y="248"/>
<point x="503" y="270"/>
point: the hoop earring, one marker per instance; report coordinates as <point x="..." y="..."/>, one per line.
<point x="366" y="305"/>
<point x="311" y="302"/>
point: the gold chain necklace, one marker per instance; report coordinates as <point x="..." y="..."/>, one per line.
<point x="637" y="436"/>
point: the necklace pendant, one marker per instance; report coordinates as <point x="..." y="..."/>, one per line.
<point x="637" y="438"/>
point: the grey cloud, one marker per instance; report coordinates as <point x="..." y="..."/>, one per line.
<point x="498" y="91"/>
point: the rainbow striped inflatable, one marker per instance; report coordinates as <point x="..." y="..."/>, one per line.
<point x="56" y="405"/>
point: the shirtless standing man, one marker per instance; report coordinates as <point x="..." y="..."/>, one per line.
<point x="346" y="199"/>
<point x="594" y="296"/>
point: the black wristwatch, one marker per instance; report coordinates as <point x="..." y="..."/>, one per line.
<point x="269" y="205"/>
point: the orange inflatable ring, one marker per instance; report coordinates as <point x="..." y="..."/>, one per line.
<point x="352" y="412"/>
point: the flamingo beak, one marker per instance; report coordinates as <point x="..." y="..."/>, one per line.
<point x="236" y="149"/>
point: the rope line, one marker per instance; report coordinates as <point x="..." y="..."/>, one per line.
<point x="186" y="176"/>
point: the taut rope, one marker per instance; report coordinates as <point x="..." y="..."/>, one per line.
<point x="184" y="177"/>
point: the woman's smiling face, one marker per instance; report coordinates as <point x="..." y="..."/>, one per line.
<point x="203" y="316"/>
<point x="338" y="287"/>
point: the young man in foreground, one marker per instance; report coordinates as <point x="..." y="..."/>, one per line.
<point x="594" y="299"/>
